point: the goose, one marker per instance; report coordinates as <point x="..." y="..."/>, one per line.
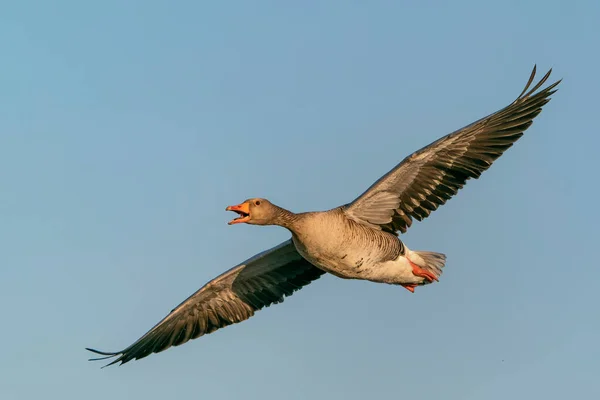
<point x="358" y="240"/>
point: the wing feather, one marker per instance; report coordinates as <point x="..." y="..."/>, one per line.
<point x="429" y="177"/>
<point x="232" y="297"/>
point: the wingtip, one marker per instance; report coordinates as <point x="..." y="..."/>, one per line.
<point x="112" y="363"/>
<point x="106" y="355"/>
<point x="102" y="353"/>
<point x="525" y="93"/>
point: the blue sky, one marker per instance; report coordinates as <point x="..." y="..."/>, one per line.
<point x="125" y="130"/>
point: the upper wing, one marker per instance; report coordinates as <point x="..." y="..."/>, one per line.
<point x="231" y="297"/>
<point x="426" y="179"/>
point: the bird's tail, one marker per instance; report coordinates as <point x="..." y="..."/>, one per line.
<point x="429" y="261"/>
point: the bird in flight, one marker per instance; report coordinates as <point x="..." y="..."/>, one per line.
<point x="358" y="240"/>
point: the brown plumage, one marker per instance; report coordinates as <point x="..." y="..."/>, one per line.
<point x="355" y="241"/>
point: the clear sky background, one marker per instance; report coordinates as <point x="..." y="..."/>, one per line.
<point x="126" y="129"/>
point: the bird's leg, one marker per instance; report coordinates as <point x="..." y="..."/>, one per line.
<point x="410" y="287"/>
<point x="418" y="271"/>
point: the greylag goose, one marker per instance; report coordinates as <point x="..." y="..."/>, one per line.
<point x="358" y="240"/>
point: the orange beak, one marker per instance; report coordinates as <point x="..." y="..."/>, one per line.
<point x="243" y="210"/>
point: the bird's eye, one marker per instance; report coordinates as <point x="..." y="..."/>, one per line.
<point x="257" y="203"/>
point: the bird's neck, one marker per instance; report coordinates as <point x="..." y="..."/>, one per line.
<point x="285" y="218"/>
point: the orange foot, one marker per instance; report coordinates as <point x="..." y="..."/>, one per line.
<point x="410" y="287"/>
<point x="418" y="271"/>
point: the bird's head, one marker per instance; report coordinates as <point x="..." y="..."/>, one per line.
<point x="255" y="211"/>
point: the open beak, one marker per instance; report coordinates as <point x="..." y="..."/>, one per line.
<point x="244" y="213"/>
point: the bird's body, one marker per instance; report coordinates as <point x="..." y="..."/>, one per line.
<point x="342" y="247"/>
<point x="347" y="249"/>
<point x="358" y="240"/>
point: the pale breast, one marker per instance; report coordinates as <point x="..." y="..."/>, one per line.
<point x="342" y="247"/>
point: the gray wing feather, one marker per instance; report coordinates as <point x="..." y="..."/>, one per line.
<point x="377" y="208"/>
<point x="429" y="177"/>
<point x="230" y="298"/>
